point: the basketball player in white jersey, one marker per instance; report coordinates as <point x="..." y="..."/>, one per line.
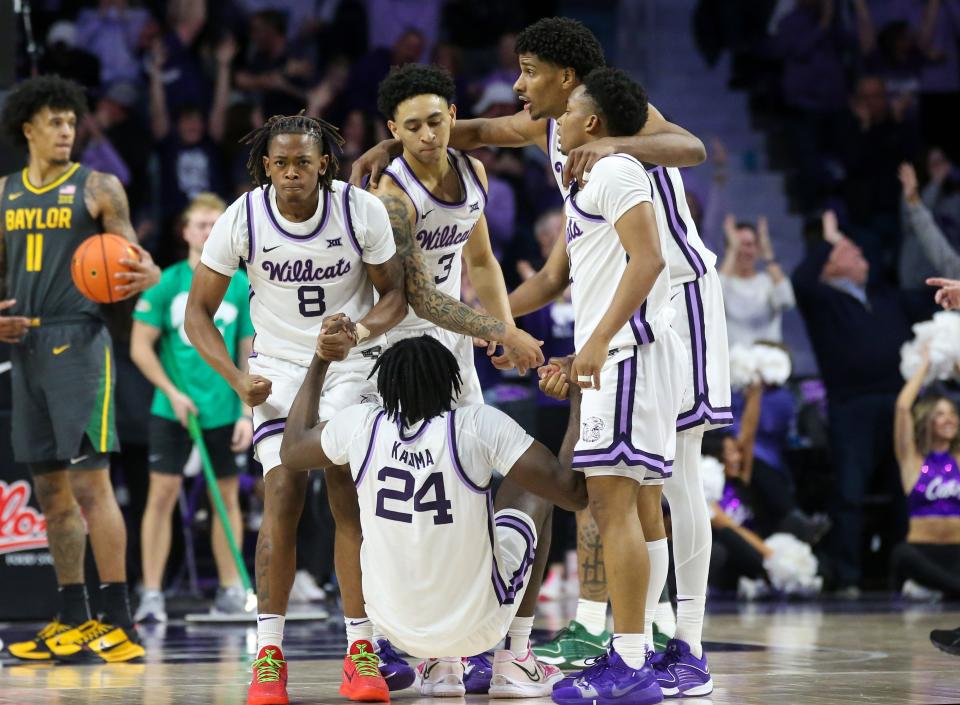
<point x="445" y="564"/>
<point x="554" y="56"/>
<point x="311" y="245"/>
<point x="436" y="197"/>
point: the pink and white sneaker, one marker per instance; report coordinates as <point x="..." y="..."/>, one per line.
<point x="440" y="677"/>
<point x="524" y="677"/>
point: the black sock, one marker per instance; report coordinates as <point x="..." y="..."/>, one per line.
<point x="76" y="608"/>
<point x="116" y="604"/>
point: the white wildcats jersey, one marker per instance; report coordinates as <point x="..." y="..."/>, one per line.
<point x="429" y="554"/>
<point x="597" y="258"/>
<point x="302" y="272"/>
<point x="443" y="227"/>
<point x="688" y="257"/>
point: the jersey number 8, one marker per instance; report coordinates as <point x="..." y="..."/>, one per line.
<point x="311" y="301"/>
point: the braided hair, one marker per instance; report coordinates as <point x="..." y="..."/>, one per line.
<point x="418" y="379"/>
<point x="328" y="139"/>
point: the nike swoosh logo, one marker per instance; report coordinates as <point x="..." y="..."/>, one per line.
<point x="426" y="213"/>
<point x="264" y="619"/>
<point x="534" y="676"/>
<point x="362" y="621"/>
<point x="60" y="348"/>
<point x="617" y="692"/>
<point x="265" y="250"/>
<point x="74" y="461"/>
<point x="15" y="196"/>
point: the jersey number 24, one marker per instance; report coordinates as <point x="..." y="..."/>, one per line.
<point x="406" y="490"/>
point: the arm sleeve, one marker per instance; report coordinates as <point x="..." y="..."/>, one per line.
<point x="228" y="241"/>
<point x="372" y="227"/>
<point x="340" y="432"/>
<point x="151" y="305"/>
<point x="934" y="243"/>
<point x="618" y="184"/>
<point x="497" y="440"/>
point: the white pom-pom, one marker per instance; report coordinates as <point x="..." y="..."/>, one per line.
<point x="941" y="335"/>
<point x="743" y="366"/>
<point x="712" y="477"/>
<point x="773" y="364"/>
<point x="792" y="568"/>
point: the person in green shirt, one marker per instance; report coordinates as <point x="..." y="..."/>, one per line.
<point x="158" y="343"/>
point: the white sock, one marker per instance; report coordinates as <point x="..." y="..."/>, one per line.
<point x="690" y="621"/>
<point x="270" y="630"/>
<point x="632" y="649"/>
<point x="665" y="618"/>
<point x="659" y="565"/>
<point x="518" y="636"/>
<point x="592" y="615"/>
<point x="692" y="539"/>
<point x="358" y="629"/>
<point x="376" y="636"/>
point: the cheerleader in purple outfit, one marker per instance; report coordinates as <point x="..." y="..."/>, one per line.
<point x="927" y="445"/>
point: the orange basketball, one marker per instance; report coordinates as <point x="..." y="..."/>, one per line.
<point x="95" y="262"/>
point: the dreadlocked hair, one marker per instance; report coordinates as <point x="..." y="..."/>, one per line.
<point x="327" y="136"/>
<point x="418" y="379"/>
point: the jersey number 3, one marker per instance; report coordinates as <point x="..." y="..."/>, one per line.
<point x="311" y="301"/>
<point x="440" y="504"/>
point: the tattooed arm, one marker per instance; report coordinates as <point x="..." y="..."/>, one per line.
<point x="107" y="202"/>
<point x="437" y="307"/>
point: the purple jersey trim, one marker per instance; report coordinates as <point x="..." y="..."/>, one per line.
<point x="291" y="236"/>
<point x="420" y="431"/>
<point x="396" y="180"/>
<point x="499" y="585"/>
<point x="455" y="457"/>
<point x="370" y="446"/>
<point x="440" y="202"/>
<point x="701" y="412"/>
<point x="476" y="179"/>
<point x="522" y="528"/>
<point x="350" y="230"/>
<point x="251" y="236"/>
<point x="678" y="228"/>
<point x="583" y="213"/>
<point x="269" y="428"/>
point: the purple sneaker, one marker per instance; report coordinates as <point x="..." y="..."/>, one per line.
<point x="477" y="672"/>
<point x="610" y="682"/>
<point x="395" y="670"/>
<point x="595" y="664"/>
<point x="680" y="673"/>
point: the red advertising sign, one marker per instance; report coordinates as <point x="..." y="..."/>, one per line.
<point x="22" y="528"/>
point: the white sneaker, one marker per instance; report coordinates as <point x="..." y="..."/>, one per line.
<point x="441" y="677"/>
<point x="524" y="677"/>
<point x="912" y="590"/>
<point x="551" y="588"/>
<point x="307" y="587"/>
<point x="152" y="607"/>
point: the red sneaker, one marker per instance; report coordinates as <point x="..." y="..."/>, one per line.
<point x="362" y="681"/>
<point x="269" y="684"/>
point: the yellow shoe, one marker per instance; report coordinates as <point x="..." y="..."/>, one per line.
<point x="68" y="642"/>
<point x="37" y="649"/>
<point x="102" y="642"/>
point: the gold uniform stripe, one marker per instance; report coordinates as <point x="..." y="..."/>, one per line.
<point x="30" y="252"/>
<point x="38" y="252"/>
<point x="105" y="414"/>
<point x="43" y="189"/>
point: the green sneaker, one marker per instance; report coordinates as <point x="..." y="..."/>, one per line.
<point x="659" y="639"/>
<point x="572" y="646"/>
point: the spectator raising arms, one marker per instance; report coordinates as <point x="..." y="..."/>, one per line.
<point x="755" y="301"/>
<point x="927" y="445"/>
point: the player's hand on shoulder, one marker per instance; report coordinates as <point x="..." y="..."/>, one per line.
<point x="253" y="390"/>
<point x="183" y="406"/>
<point x="582" y="159"/>
<point x="371" y="162"/>
<point x="12" y="328"/>
<point x="585" y="370"/>
<point x="338" y="334"/>
<point x="145" y="273"/>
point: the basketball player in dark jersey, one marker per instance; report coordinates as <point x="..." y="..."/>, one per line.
<point x="63" y="374"/>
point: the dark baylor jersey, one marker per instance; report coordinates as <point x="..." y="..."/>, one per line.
<point x="42" y="229"/>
